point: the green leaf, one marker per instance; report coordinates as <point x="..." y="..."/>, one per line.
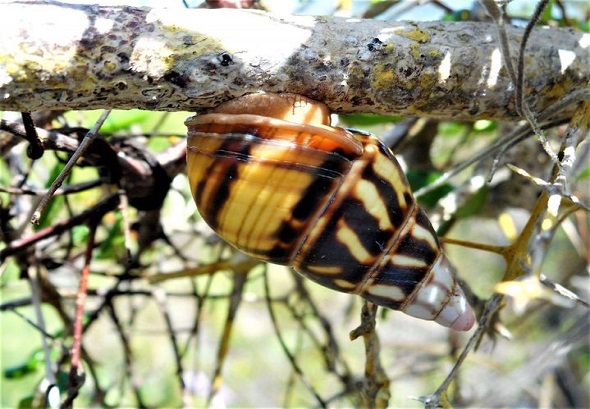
<point x="80" y="234"/>
<point x="547" y="14"/>
<point x="11" y="272"/>
<point x="111" y="245"/>
<point x="585" y="173"/>
<point x="363" y="120"/>
<point x="419" y="179"/>
<point x="458" y="15"/>
<point x="485" y="125"/>
<point x="27" y="402"/>
<point x="473" y="204"/>
<point x="31" y="365"/>
<point x="451" y="129"/>
<point x="116" y="121"/>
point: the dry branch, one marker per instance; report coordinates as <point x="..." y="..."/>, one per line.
<point x="57" y="56"/>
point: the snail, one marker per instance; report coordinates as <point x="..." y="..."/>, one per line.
<point x="271" y="177"/>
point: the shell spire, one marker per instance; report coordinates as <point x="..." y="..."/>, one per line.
<point x="442" y="289"/>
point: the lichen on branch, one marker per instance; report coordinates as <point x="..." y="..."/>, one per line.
<point x="59" y="56"/>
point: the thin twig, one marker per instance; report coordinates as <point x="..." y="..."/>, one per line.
<point x="520" y="103"/>
<point x="162" y="302"/>
<point x="375" y="387"/>
<point x="35" y="150"/>
<point x="69" y="166"/>
<point x="330" y="348"/>
<point x="128" y="354"/>
<point x="239" y="280"/>
<point x="66" y="190"/>
<point x="97" y="210"/>
<point x="304" y="380"/>
<point x="36" y="296"/>
<point x="76" y="365"/>
<point x="12" y="306"/>
<point x="517" y="77"/>
<point x="517" y="135"/>
<point x="491" y="308"/>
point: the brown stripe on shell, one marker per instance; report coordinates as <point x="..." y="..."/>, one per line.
<point x="267" y="164"/>
<point x="348" y="228"/>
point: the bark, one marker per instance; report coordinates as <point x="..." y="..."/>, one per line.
<point x="58" y="56"/>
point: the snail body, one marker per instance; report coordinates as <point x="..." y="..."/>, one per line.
<point x="271" y="176"/>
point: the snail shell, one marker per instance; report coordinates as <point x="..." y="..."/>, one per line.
<point x="272" y="177"/>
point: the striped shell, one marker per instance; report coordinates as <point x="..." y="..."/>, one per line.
<point x="273" y="179"/>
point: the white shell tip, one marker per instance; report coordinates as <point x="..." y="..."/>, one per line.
<point x="457" y="314"/>
<point x="464" y="322"/>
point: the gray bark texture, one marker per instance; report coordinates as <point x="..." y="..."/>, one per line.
<point x="58" y="56"/>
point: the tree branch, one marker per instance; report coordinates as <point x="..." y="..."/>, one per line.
<point x="58" y="56"/>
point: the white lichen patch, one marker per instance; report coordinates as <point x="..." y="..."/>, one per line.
<point x="495" y="66"/>
<point x="566" y="57"/>
<point x="444" y="68"/>
<point x="39" y="52"/>
<point x="247" y="28"/>
<point x="150" y="54"/>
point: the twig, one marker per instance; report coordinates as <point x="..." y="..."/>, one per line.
<point x="492" y="306"/>
<point x="517" y="135"/>
<point x="159" y="295"/>
<point x="127" y="354"/>
<point x="75" y="378"/>
<point x="562" y="291"/>
<point x="67" y="190"/>
<point x="97" y="210"/>
<point x="13" y="305"/>
<point x="239" y="280"/>
<point x="36" y="297"/>
<point x="304" y="380"/>
<point x="518" y="77"/>
<point x="330" y="348"/>
<point x="520" y="103"/>
<point x="68" y="168"/>
<point x="35" y="150"/>
<point x="375" y="387"/>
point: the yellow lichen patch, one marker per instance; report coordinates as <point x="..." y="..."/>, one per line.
<point x="556" y="90"/>
<point x="428" y="79"/>
<point x="198" y="45"/>
<point x="387" y="49"/>
<point x="355" y="72"/>
<point x="416" y="34"/>
<point x="110" y="66"/>
<point x="13" y="70"/>
<point x="415" y="50"/>
<point x="23" y="63"/>
<point x="381" y="77"/>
